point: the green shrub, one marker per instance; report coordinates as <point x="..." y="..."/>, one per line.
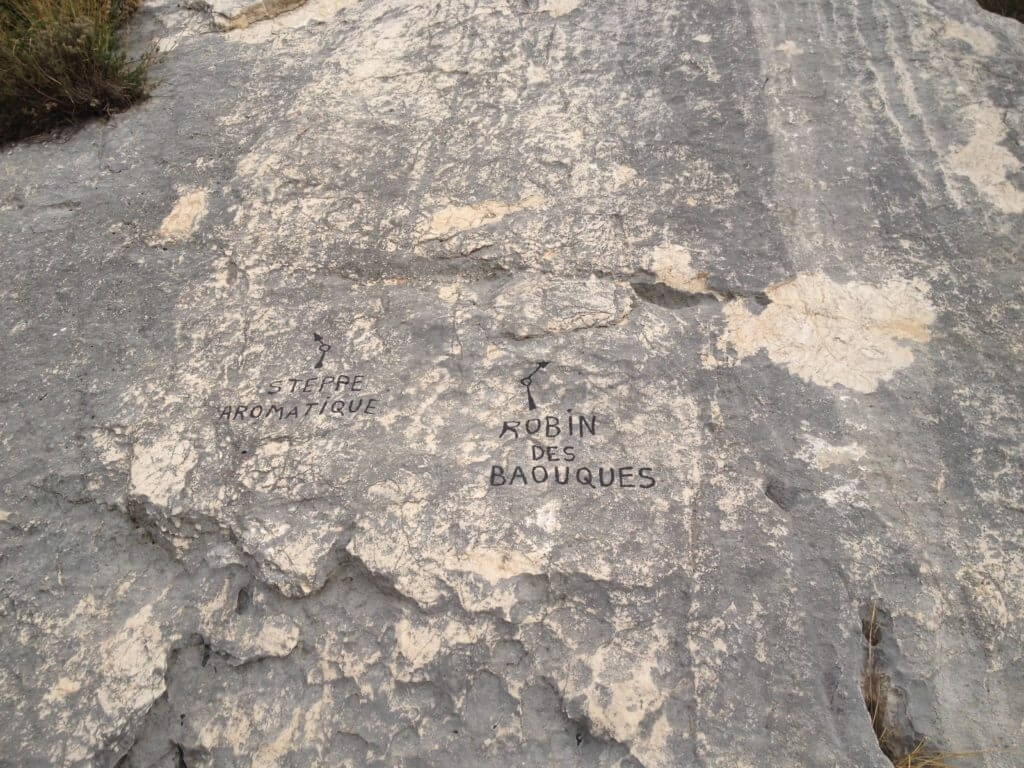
<point x="62" y="61"/>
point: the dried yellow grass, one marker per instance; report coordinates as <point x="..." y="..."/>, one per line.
<point x="62" y="61"/>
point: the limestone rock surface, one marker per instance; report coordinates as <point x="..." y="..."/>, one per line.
<point x="520" y="382"/>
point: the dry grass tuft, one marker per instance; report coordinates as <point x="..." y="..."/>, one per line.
<point x="62" y="61"/>
<point x="920" y="757"/>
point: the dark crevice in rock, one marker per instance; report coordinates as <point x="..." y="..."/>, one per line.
<point x="351" y="566"/>
<point x="179" y="756"/>
<point x="206" y="654"/>
<point x="1011" y="8"/>
<point x="886" y="702"/>
<point x="585" y="734"/>
<point x="161" y="735"/>
<point x="243" y="601"/>
<point x="662" y="295"/>
<point x="75" y="501"/>
<point x="585" y="731"/>
<point x="135" y="510"/>
<point x="138" y="514"/>
<point x="781" y="493"/>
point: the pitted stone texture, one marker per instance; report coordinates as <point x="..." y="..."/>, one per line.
<point x="764" y="250"/>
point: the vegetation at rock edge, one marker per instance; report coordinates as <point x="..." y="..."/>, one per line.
<point x="1012" y="8"/>
<point x="62" y="61"/>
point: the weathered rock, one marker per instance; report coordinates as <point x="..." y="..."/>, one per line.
<point x="534" y="383"/>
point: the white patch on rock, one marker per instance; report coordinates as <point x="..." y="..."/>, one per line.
<point x="536" y="74"/>
<point x="831" y="333"/>
<point x="159" y="469"/>
<point x="494" y="565"/>
<point x="987" y="163"/>
<point x="559" y="7"/>
<point x="419" y="645"/>
<point x="110" y="445"/>
<point x="122" y="676"/>
<point x="293" y="559"/>
<point x="621" y="692"/>
<point x="980" y="39"/>
<point x="993" y="567"/>
<point x="63" y="688"/>
<point x="133" y="665"/>
<point x="847" y="494"/>
<point x="822" y="454"/>
<point x="986" y="596"/>
<point x="453" y="219"/>
<point x="546" y="518"/>
<point x="670" y="264"/>
<point x="181" y="222"/>
<point x="277" y="636"/>
<point x="623" y="174"/>
<point x="339" y="657"/>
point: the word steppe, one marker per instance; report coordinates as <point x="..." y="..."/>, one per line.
<point x="558" y="467"/>
<point x="325" y="396"/>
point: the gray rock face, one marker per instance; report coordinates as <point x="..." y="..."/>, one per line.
<point x="521" y="383"/>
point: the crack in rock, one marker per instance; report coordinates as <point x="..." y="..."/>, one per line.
<point x="531" y="305"/>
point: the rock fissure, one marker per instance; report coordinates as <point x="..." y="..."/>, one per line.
<point x="885" y="699"/>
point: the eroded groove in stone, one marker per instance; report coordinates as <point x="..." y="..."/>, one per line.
<point x="239" y="14"/>
<point x="886" y="699"/>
